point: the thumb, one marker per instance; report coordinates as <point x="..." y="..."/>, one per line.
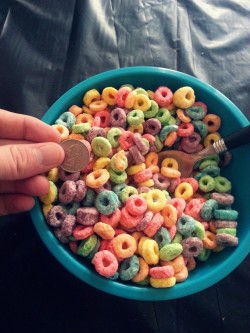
<point x="21" y="161"/>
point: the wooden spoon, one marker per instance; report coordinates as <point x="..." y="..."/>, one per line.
<point x="186" y="161"/>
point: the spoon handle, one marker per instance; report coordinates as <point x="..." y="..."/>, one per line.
<point x="238" y="138"/>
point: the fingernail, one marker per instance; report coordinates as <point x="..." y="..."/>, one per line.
<point x="50" y="154"/>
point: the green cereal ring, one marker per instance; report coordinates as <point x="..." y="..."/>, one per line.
<point x="214" y="157"/>
<point x="126" y="193"/>
<point x="163" y="116"/>
<point x="129" y="268"/>
<point x="135" y="117"/>
<point x="144" y="282"/>
<point x="147" y="146"/>
<point x="206" y="183"/>
<point x="207" y="211"/>
<point x="140" y="90"/>
<point x="101" y="146"/>
<point x="162" y="237"/>
<point x="201" y="128"/>
<point x="170" y="251"/>
<point x="117" y="177"/>
<point x="186" y="225"/>
<point x="210" y="170"/>
<point x="118" y="188"/>
<point x="165" y="192"/>
<point x="226" y="214"/>
<point x="195" y="112"/>
<point x="89" y="199"/>
<point x="222" y="184"/>
<point x="199" y="230"/>
<point x="177" y="238"/>
<point x="204" y="255"/>
<point x="106" y="202"/>
<point x="230" y="231"/>
<point x="113" y="277"/>
<point x="81" y="128"/>
<point x="113" y="136"/>
<point x="87" y="245"/>
<point x="128" y="85"/>
<point x="206" y="163"/>
<point x="152" y="111"/>
<point x="166" y="130"/>
<point x="173" y="121"/>
<point x="158" y="143"/>
<point x="90" y="256"/>
<point x="70" y="207"/>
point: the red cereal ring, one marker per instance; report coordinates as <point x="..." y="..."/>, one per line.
<point x="193" y="208"/>
<point x="172" y="231"/>
<point x="105" y="263"/>
<point x="154" y="225"/>
<point x="185" y="129"/>
<point x="179" y="204"/>
<point x="136" y="205"/>
<point x="81" y="232"/>
<point x="192" y="181"/>
<point x="128" y="220"/>
<point x="163" y="96"/>
<point x="126" y="140"/>
<point x="104" y="116"/>
<point x="160" y="272"/>
<point x="143" y="175"/>
<point x="112" y="219"/>
<point x="121" y="96"/>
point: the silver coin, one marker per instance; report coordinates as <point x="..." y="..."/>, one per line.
<point x="76" y="155"/>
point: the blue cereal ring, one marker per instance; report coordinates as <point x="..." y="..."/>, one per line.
<point x="129" y="268"/>
<point x="207" y="211"/>
<point x="226" y="214"/>
<point x="89" y="199"/>
<point x="162" y="237"/>
<point x="106" y="202"/>
<point x="186" y="225"/>
<point x="66" y="119"/>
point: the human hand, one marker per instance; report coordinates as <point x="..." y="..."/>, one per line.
<point x="28" y="147"/>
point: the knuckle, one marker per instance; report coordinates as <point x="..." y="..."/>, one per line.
<point x="20" y="160"/>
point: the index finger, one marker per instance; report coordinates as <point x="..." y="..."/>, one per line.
<point x="22" y="127"/>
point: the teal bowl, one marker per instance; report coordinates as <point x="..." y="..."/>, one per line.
<point x="219" y="265"/>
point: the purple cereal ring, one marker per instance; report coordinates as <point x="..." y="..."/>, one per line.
<point x="81" y="190"/>
<point x="56" y="216"/>
<point x="118" y="118"/>
<point x="190" y="144"/>
<point x="174" y="182"/>
<point x="68" y="225"/>
<point x="223" y="198"/>
<point x="143" y="189"/>
<point x="136" y="154"/>
<point x="60" y="236"/>
<point x="87" y="215"/>
<point x="226" y="240"/>
<point x="161" y="182"/>
<point x="152" y="146"/>
<point x="129" y="157"/>
<point x="65" y="175"/>
<point x="139" y="143"/>
<point x="192" y="247"/>
<point x="152" y="126"/>
<point x="223" y="224"/>
<point x="144" y="222"/>
<point x="67" y="192"/>
<point x="107" y="186"/>
<point x="94" y="132"/>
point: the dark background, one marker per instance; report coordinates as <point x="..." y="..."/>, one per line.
<point x="46" y="47"/>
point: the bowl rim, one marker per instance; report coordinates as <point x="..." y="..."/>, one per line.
<point x="69" y="260"/>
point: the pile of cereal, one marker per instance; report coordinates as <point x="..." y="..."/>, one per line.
<point x="131" y="218"/>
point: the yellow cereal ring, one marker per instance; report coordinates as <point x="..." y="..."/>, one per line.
<point x="143" y="271"/>
<point x="84" y="118"/>
<point x="130" y="99"/>
<point x="177" y="263"/>
<point x="151" y="159"/>
<point x="211" y="138"/>
<point x="101" y="163"/>
<point x="170" y="163"/>
<point x="150" y="251"/>
<point x="63" y="131"/>
<point x="132" y="170"/>
<point x="150" y="94"/>
<point x="212" y="121"/>
<point x="86" y="110"/>
<point x="184" y="190"/>
<point x="51" y="195"/>
<point x="142" y="102"/>
<point x="104" y="230"/>
<point x="154" y="168"/>
<point x="97" y="178"/>
<point x="46" y="209"/>
<point x="137" y="236"/>
<point x="109" y="95"/>
<point x="163" y="282"/>
<point x="140" y="243"/>
<point x="184" y="97"/>
<point x="169" y="214"/>
<point x="53" y="175"/>
<point x="170" y="172"/>
<point x="147" y="183"/>
<point x="91" y="96"/>
<point x="136" y="129"/>
<point x="156" y="200"/>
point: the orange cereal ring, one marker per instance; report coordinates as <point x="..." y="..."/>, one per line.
<point x="76" y="136"/>
<point x="98" y="105"/>
<point x="90" y="96"/>
<point x="209" y="240"/>
<point x="177" y="263"/>
<point x="212" y="121"/>
<point x="184" y="190"/>
<point x="97" y="178"/>
<point x="154" y="168"/>
<point x="109" y="95"/>
<point x="75" y="109"/>
<point x="104" y="230"/>
<point x="211" y="138"/>
<point x="183" y="116"/>
<point x="170" y="139"/>
<point x="151" y="159"/>
<point x="130" y="99"/>
<point x="63" y="131"/>
<point x="137" y="236"/>
<point x="170" y="172"/>
<point x="124" y="245"/>
<point x="169" y="214"/>
<point x="182" y="275"/>
<point x="136" y="128"/>
<point x="84" y="118"/>
<point x="190" y="263"/>
<point x="143" y="271"/>
<point x="86" y="110"/>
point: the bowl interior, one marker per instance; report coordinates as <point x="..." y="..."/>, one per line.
<point x="219" y="264"/>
